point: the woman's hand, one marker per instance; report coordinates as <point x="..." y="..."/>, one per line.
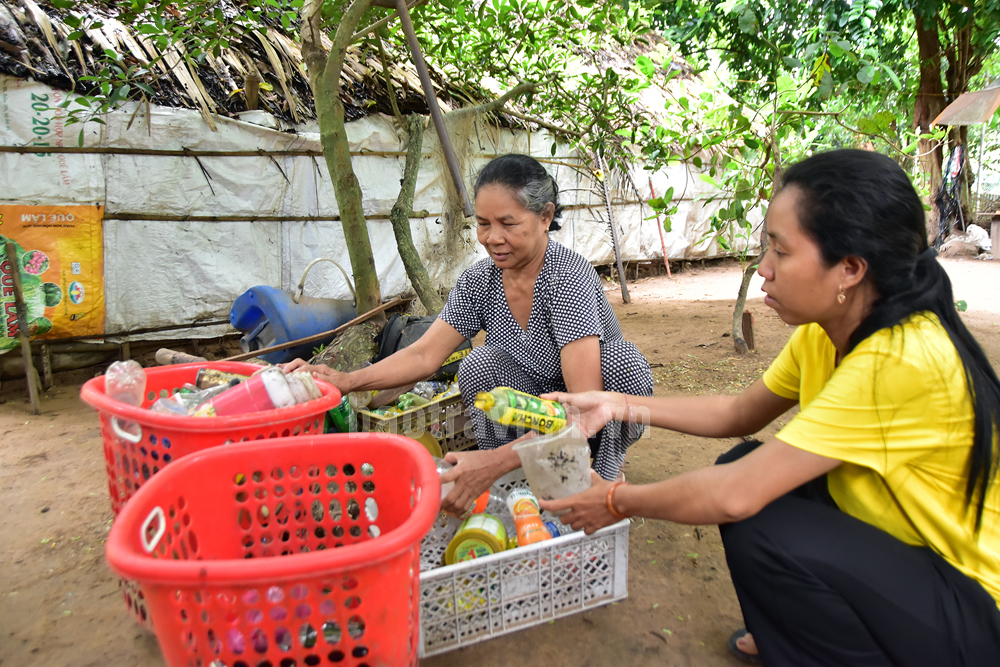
<point x="320" y="371"/>
<point x="588" y="510"/>
<point x="591" y="409"/>
<point x="473" y="473"/>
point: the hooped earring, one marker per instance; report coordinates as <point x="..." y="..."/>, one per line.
<point x="841" y="298"/>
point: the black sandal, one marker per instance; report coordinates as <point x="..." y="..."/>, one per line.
<point x="749" y="658"/>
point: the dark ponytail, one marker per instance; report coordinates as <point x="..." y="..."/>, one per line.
<point x="862" y="204"/>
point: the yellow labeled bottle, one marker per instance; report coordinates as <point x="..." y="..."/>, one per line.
<point x="479" y="535"/>
<point x="511" y="407"/>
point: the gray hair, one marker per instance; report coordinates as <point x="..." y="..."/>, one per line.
<point x="532" y="186"/>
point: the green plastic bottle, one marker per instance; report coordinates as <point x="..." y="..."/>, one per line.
<point x="511" y="407"/>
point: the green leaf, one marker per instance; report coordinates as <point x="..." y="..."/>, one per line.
<point x="748" y="21"/>
<point x="666" y="225"/>
<point x="75" y="35"/>
<point x="910" y="147"/>
<point x="892" y="76"/>
<point x="835" y="50"/>
<point x="793" y="63"/>
<point x="866" y="74"/>
<point x="669" y="194"/>
<point x="868" y="126"/>
<point x="751" y="142"/>
<point x="645" y="66"/>
<point x="884" y="120"/>
<point x="683" y="101"/>
<point x="708" y="179"/>
<point x="63" y="4"/>
<point x="961" y="306"/>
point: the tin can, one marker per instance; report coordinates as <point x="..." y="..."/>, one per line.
<point x="209" y="377"/>
<point x="342" y="419"/>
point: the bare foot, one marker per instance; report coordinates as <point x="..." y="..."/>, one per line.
<point x="747" y="644"/>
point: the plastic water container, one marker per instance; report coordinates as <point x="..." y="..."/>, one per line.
<point x="268" y="316"/>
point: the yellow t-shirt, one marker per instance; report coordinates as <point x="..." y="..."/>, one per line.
<point x="898" y="414"/>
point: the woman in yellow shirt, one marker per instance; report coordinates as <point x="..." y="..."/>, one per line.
<point x="867" y="531"/>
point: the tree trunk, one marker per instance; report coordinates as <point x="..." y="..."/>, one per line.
<point x="337" y="152"/>
<point x="929" y="103"/>
<point x="400" y="216"/>
<point x="739" y="342"/>
<point x="324" y="77"/>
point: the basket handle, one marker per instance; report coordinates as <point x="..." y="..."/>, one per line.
<point x="150" y="544"/>
<point x="123" y="434"/>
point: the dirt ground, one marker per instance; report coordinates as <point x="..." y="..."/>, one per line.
<point x="60" y="605"/>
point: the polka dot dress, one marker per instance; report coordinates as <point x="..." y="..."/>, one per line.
<point x="568" y="304"/>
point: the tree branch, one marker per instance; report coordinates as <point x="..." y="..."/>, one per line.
<point x="516" y="91"/>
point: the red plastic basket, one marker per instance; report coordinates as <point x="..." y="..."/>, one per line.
<point x="132" y="459"/>
<point x="236" y="549"/>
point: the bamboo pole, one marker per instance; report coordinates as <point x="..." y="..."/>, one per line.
<point x="22" y="328"/>
<point x="432" y="103"/>
<point x="315" y="338"/>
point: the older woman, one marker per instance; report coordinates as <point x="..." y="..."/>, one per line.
<point x="548" y="328"/>
<point x="867" y="531"/>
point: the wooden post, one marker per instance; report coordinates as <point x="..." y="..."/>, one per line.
<point x="748" y="330"/>
<point x="126" y="351"/>
<point x="46" y="367"/>
<point x="22" y="328"/>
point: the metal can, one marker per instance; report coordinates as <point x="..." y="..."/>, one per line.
<point x="342" y="418"/>
<point x="209" y="377"/>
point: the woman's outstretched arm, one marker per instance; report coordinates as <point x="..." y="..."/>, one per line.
<point x="708" y="416"/>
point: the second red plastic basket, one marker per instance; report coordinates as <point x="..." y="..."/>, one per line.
<point x="301" y="551"/>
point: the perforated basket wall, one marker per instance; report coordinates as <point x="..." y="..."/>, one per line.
<point x="470" y="602"/>
<point x="139" y="443"/>
<point x="445" y="419"/>
<point x="298" y="551"/>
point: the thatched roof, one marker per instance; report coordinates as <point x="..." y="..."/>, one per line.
<point x="33" y="44"/>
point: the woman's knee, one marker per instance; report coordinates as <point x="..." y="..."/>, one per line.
<point x="625" y="369"/>
<point x="481" y="367"/>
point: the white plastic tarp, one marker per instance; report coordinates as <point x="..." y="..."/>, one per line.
<point x="161" y="270"/>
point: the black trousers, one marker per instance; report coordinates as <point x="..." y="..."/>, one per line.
<point x="820" y="587"/>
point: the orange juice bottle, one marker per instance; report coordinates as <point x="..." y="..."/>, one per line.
<point x="527" y="517"/>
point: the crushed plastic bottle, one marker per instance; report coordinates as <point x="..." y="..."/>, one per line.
<point x="429" y="389"/>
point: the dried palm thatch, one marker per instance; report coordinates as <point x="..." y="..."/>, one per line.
<point x="33" y="43"/>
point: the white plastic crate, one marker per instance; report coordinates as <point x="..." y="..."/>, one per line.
<point x="469" y="602"/>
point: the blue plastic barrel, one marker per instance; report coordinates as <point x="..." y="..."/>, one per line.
<point x="268" y="316"/>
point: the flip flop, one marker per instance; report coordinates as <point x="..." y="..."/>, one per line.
<point x="749" y="658"/>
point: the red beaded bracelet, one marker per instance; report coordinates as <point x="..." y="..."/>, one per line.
<point x="610" y="502"/>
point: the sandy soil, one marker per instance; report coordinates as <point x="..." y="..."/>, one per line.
<point x="59" y="604"/>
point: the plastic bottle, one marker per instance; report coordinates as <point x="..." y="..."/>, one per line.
<point x="185" y="402"/>
<point x="479" y="535"/>
<point x="409" y="400"/>
<point x="429" y="389"/>
<point x="265" y="390"/>
<point x="517" y="409"/>
<point x="527" y="517"/>
<point x="125" y="381"/>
